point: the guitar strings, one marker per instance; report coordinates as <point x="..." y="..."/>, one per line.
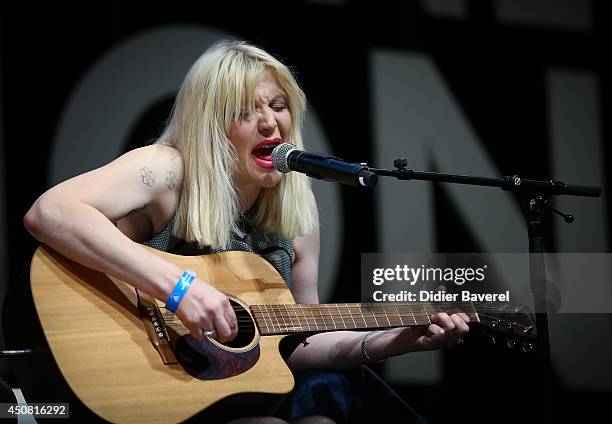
<point x="247" y="324"/>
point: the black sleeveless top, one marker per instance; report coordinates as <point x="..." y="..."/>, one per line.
<point x="246" y="237"/>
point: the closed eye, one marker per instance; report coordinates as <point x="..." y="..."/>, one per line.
<point x="278" y="106"/>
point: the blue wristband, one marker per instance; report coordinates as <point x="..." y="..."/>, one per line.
<point x="179" y="291"/>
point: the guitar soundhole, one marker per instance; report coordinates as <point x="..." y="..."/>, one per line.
<point x="246" y="327"/>
<point x="211" y="360"/>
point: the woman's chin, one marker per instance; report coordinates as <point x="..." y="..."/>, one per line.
<point x="266" y="178"/>
<point x="271" y="180"/>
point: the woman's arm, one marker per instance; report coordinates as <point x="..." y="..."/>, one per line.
<point x="342" y="349"/>
<point x="305" y="270"/>
<point x="76" y="219"/>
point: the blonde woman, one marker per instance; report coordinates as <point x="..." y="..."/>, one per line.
<point x="208" y="185"/>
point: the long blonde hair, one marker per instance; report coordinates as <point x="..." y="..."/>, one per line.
<point x="217" y="89"/>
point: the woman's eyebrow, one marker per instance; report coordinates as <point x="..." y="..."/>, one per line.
<point x="274" y="98"/>
<point x="279" y="96"/>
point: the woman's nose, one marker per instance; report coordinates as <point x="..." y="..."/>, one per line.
<point x="267" y="122"/>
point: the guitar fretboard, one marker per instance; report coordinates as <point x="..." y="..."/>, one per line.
<point x="306" y="318"/>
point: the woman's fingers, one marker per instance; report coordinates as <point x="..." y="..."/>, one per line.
<point x="205" y="311"/>
<point x="443" y="320"/>
<point x="446" y="330"/>
<point x="461" y="327"/>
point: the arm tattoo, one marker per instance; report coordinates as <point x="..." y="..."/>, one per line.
<point x="170" y="180"/>
<point x="147" y="176"/>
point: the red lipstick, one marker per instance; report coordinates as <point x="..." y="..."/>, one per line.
<point x="262" y="153"/>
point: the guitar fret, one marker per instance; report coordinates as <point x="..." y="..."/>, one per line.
<point x="327" y="319"/>
<point x="300" y="309"/>
<point x="363" y="317"/>
<point x="273" y="317"/>
<point x="391" y="321"/>
<point x="263" y="317"/>
<point x="290" y="325"/>
<point x="427" y="312"/>
<point x="295" y="309"/>
<point x="351" y="315"/>
<point x="320" y="313"/>
<point x="295" y="326"/>
<point x="332" y="317"/>
<point x="269" y="317"/>
<point x="297" y="317"/>
<point x="360" y="309"/>
<point x="355" y="311"/>
<point x="295" y="322"/>
<point x="380" y="313"/>
<point x="387" y="316"/>
<point x="412" y="314"/>
<point x="313" y="325"/>
<point x="333" y="321"/>
<point x="281" y="315"/>
<point x="285" y="316"/>
<point x="270" y="320"/>
<point x="396" y="319"/>
<point x="375" y="320"/>
<point x="341" y="317"/>
<point x="316" y="325"/>
<point x="310" y="325"/>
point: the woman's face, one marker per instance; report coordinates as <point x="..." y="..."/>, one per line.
<point x="254" y="136"/>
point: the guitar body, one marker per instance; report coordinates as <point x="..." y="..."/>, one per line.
<point x="92" y="348"/>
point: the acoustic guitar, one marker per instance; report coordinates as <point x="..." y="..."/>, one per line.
<point x="116" y="354"/>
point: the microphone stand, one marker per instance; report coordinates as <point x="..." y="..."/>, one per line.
<point x="535" y="201"/>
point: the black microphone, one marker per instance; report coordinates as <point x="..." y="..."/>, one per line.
<point x="285" y="158"/>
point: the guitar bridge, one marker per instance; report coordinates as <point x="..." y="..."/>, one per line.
<point x="156" y="327"/>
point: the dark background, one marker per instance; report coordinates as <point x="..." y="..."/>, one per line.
<point x="495" y="71"/>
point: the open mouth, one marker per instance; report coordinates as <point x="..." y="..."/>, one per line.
<point x="262" y="153"/>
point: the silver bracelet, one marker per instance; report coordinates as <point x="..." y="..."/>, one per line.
<point x="364" y="346"/>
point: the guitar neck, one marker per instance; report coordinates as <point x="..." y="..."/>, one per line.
<point x="317" y="318"/>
